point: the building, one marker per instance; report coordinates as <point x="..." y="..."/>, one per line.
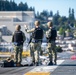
<point x="8" y="20"/>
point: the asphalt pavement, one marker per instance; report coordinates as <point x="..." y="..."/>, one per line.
<point x="63" y="67"/>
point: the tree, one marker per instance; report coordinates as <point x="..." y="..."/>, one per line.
<point x="69" y="12"/>
<point x="21" y="6"/>
<point x="61" y="31"/>
<point x="55" y="18"/>
<point x="25" y="7"/>
<point x="11" y="5"/>
<point x="51" y="14"/>
<point x="73" y="18"/>
<point x="2" y="5"/>
<point x="71" y="15"/>
<point x="62" y="20"/>
<point x="58" y="48"/>
<point x="75" y="24"/>
<point x="1" y="1"/>
<point x="7" y="6"/>
<point x="38" y="13"/>
<point x="44" y="14"/>
<point x="31" y="9"/>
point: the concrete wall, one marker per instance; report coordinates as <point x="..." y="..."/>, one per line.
<point x="12" y="18"/>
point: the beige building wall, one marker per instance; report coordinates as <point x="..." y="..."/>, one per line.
<point x="12" y="18"/>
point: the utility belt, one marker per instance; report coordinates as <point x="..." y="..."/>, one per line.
<point x="36" y="40"/>
<point x="18" y="43"/>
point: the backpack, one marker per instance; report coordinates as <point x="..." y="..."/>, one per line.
<point x="38" y="34"/>
<point x="7" y="63"/>
<point x="53" y="34"/>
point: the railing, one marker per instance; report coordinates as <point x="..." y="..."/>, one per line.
<point x="7" y="50"/>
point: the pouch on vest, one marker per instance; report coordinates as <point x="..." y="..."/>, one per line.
<point x="38" y="33"/>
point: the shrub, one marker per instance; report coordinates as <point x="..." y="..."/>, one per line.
<point x="59" y="49"/>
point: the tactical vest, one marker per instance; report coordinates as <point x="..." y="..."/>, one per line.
<point x="18" y="37"/>
<point x="53" y="34"/>
<point x="37" y="34"/>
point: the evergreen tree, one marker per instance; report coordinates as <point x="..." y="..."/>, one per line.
<point x="44" y="14"/>
<point x="69" y="12"/>
<point x="11" y="5"/>
<point x="51" y="14"/>
<point x="73" y="15"/>
<point x="55" y="18"/>
<point x="25" y="7"/>
<point x="21" y="6"/>
<point x="33" y="9"/>
<point x="7" y="5"/>
<point x="37" y="14"/>
<point x="30" y="9"/>
<point x="1" y="4"/>
<point x="14" y="6"/>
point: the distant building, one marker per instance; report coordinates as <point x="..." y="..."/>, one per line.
<point x="8" y="20"/>
<point x="50" y="18"/>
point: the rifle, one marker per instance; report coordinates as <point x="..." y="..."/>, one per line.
<point x="30" y="40"/>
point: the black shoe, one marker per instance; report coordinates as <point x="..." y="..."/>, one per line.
<point x="50" y="63"/>
<point x="37" y="64"/>
<point x="32" y="64"/>
<point x="55" y="63"/>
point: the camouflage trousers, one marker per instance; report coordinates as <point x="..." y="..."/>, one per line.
<point x="18" y="53"/>
<point x="52" y="51"/>
<point x="35" y="49"/>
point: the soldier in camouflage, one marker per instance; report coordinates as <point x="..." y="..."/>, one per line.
<point x="35" y="45"/>
<point x="51" y="35"/>
<point x="18" y="39"/>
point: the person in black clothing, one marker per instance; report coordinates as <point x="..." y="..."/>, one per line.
<point x="18" y="39"/>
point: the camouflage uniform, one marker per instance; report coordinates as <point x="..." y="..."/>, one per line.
<point x="18" y="49"/>
<point x="52" y="51"/>
<point x="35" y="51"/>
<point x="35" y="48"/>
<point x="51" y="47"/>
<point x="18" y="53"/>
